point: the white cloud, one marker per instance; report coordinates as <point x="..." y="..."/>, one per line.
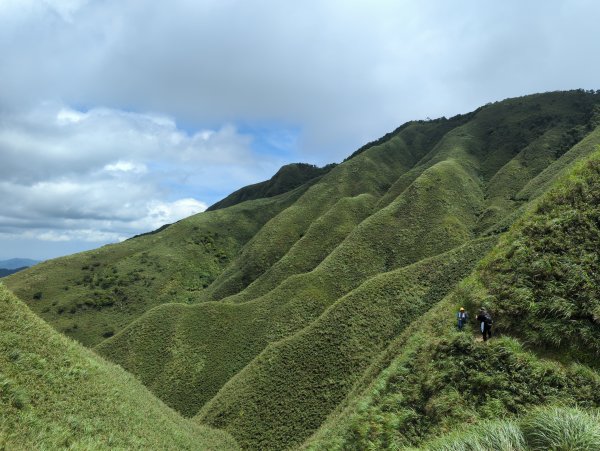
<point x="343" y="72"/>
<point x="67" y="116"/>
<point x="126" y="166"/>
<point x="339" y="73"/>
<point x="159" y="213"/>
<point x="102" y="175"/>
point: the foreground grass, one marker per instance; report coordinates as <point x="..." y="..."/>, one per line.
<point x="546" y="428"/>
<point x="55" y="394"/>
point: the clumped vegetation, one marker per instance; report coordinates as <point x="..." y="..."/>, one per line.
<point x="317" y="309"/>
<point x="546" y="428"/>
<point x="543" y="282"/>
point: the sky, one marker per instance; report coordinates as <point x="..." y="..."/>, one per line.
<point x="118" y="116"/>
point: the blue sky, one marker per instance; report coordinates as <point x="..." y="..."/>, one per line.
<point x="117" y="116"/>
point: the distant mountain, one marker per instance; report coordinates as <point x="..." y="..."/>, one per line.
<point x="7" y="272"/>
<point x="286" y="179"/>
<point x="17" y="263"/>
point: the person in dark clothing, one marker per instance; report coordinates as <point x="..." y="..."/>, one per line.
<point x="485" y="323"/>
<point x="462" y="318"/>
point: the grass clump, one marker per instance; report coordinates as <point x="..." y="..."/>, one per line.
<point x="486" y="436"/>
<point x="562" y="429"/>
<point x="546" y="428"/>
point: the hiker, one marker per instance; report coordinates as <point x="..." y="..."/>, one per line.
<point x="462" y="318"/>
<point x="485" y="323"/>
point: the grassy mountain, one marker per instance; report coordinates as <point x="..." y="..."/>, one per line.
<point x="323" y="316"/>
<point x="55" y="394"/>
<point x="286" y="179"/>
<point x="92" y="295"/>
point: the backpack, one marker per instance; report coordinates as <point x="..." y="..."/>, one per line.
<point x="488" y="319"/>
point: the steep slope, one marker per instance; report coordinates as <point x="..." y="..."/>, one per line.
<point x="227" y="341"/>
<point x="289" y="389"/>
<point x="55" y="394"/>
<point x="286" y="179"/>
<point x="371" y="172"/>
<point x="540" y="283"/>
<point x="92" y="295"/>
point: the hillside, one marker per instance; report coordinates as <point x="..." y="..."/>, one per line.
<point x="321" y="314"/>
<point x="56" y="394"/>
<point x="92" y="295"/>
<point x="427" y="383"/>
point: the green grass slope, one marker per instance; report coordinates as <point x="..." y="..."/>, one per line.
<point x="55" y="394"/>
<point x="320" y="239"/>
<point x="371" y="172"/>
<point x="226" y="337"/>
<point x="439" y="210"/>
<point x="289" y="389"/>
<point x="213" y="309"/>
<point x="92" y="295"/>
<point x="433" y="380"/>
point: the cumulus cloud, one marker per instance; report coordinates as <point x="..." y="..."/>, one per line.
<point x="103" y="175"/>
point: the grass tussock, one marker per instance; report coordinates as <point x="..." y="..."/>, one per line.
<point x="487" y="436"/>
<point x="545" y="428"/>
<point x="562" y="429"/>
